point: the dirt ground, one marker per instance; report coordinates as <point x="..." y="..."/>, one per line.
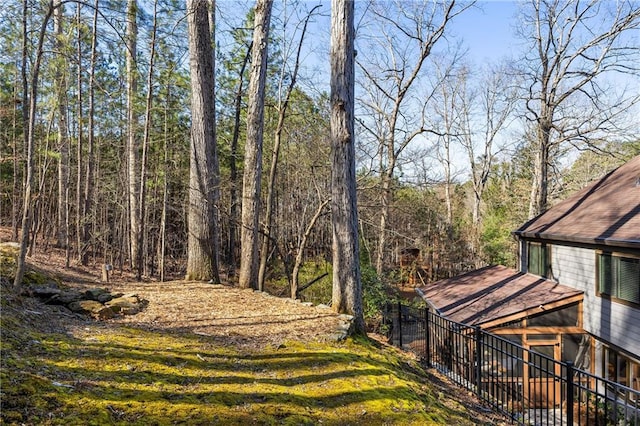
<point x="243" y="318"/>
<point x="232" y="316"/>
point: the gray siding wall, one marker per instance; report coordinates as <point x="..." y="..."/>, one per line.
<point x="613" y="322"/>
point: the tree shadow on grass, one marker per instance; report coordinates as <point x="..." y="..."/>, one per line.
<point x="189" y="381"/>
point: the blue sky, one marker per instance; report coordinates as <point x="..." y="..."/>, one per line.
<point x="488" y="30"/>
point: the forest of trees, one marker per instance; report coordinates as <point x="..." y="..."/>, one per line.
<point x="202" y="139"/>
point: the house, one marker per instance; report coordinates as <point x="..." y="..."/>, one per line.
<point x="576" y="295"/>
<point x="591" y="242"/>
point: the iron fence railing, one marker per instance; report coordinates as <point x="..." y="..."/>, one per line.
<point x="530" y="387"/>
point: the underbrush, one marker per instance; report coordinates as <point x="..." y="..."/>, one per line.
<point x="376" y="292"/>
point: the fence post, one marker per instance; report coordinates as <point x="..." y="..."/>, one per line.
<point x="570" y="391"/>
<point x="400" y="325"/>
<point x="478" y="338"/>
<point x="427" y="337"/>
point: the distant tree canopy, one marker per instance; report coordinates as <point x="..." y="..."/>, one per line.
<point x="449" y="156"/>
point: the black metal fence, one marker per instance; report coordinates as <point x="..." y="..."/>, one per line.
<point x="530" y="387"/>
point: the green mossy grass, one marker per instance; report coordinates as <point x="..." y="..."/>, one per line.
<point x="130" y="376"/>
<point x="97" y="373"/>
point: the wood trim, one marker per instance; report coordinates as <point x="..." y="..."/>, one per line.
<point x="532" y="311"/>
<point x="539" y="330"/>
<point x="581" y="315"/>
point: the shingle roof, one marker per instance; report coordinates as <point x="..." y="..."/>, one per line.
<point x="492" y="293"/>
<point x="605" y="212"/>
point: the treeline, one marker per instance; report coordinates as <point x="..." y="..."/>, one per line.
<point x="451" y="157"/>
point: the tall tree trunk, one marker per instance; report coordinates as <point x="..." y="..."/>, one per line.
<point x="165" y="187"/>
<point x="63" y="135"/>
<point x="266" y="236"/>
<point x="132" y="123"/>
<point x="145" y="147"/>
<point x="248" y="276"/>
<point x="539" y="189"/>
<point x="17" y="172"/>
<point x="88" y="182"/>
<point x="233" y="172"/>
<point x="387" y="196"/>
<point x="347" y="287"/>
<point x="80" y="119"/>
<point x="17" y="223"/>
<point x="200" y="261"/>
<point x="448" y="199"/>
<point x="215" y="218"/>
<point x="28" y="196"/>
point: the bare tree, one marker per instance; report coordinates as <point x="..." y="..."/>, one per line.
<point x="403" y="38"/>
<point x="575" y="46"/>
<point x="132" y="128"/>
<point x="281" y="108"/>
<point x="80" y="216"/>
<point x="447" y="122"/>
<point x="347" y="285"/>
<point x="16" y="221"/>
<point x="233" y="170"/>
<point x="201" y="263"/>
<point x="249" y="261"/>
<point x="88" y="177"/>
<point x="145" y="146"/>
<point x="495" y="99"/>
<point x="27" y="209"/>
<point x="63" y="133"/>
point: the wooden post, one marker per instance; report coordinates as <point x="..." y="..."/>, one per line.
<point x="105" y="272"/>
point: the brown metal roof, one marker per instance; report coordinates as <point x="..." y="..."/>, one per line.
<point x="494" y="292"/>
<point x="605" y="212"/>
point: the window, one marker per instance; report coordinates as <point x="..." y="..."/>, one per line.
<point x="621" y="369"/>
<point x="538" y="259"/>
<point x="619" y="277"/>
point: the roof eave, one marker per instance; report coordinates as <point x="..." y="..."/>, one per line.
<point x="634" y="243"/>
<point x="531" y="310"/>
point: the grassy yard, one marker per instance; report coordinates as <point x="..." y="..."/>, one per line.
<point x="58" y="369"/>
<point x="100" y="374"/>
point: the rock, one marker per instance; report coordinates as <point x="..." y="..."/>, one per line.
<point x="65" y="297"/>
<point x="344" y="326"/>
<point x="98" y="294"/>
<point x="45" y="292"/>
<point x="97" y="302"/>
<point x="104" y="298"/>
<point x="93" y="308"/>
<point x="128" y="304"/>
<point x="337" y="337"/>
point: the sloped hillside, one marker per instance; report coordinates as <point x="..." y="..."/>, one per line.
<point x="206" y="365"/>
